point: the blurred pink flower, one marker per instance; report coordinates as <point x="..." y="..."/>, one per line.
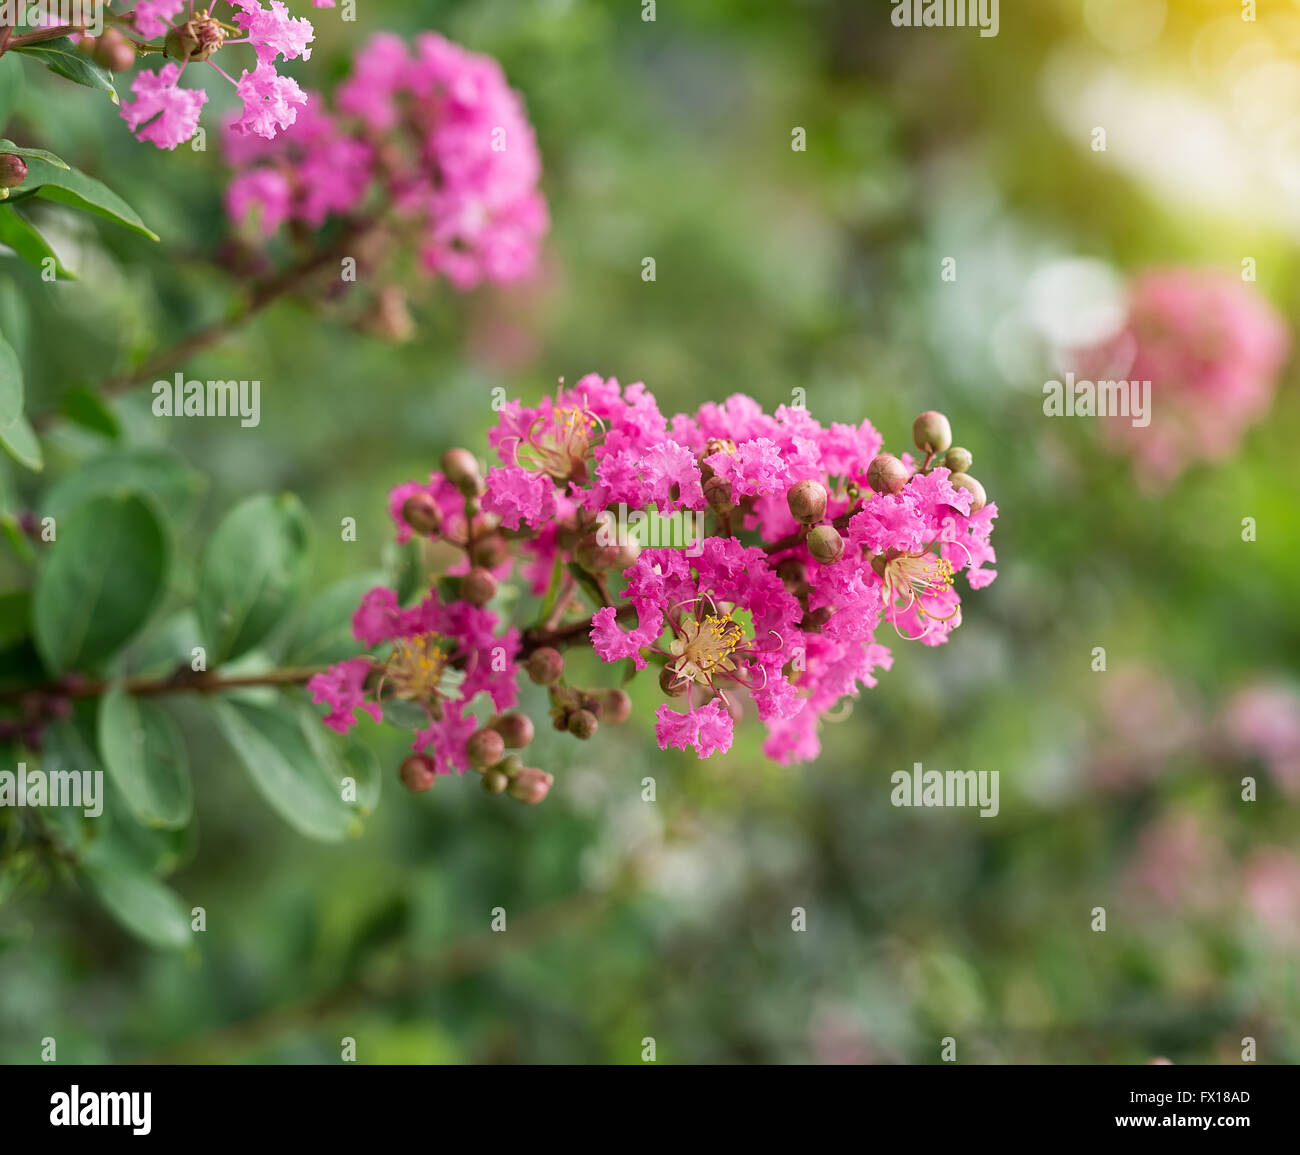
<point x="1178" y="865"/>
<point x="1147" y="719"/>
<point x="1212" y="348"/>
<point x="1263" y="721"/>
<point x="1271" y="882"/>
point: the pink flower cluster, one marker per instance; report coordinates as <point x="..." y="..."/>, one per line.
<point x="1212" y="349"/>
<point x="166" y="115"/>
<point x="797" y="544"/>
<point x="435" y="134"/>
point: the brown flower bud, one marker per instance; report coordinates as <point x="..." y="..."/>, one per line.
<point x="13" y="171"/>
<point x="515" y="729"/>
<point x="615" y="706"/>
<point x="489" y="552"/>
<point x="422" y="514"/>
<point x="113" y="51"/>
<point x="931" y="432"/>
<point x="807" y="502"/>
<point x="545" y="666"/>
<point x="418" y="773"/>
<point x="886" y="474"/>
<point x="531" y="786"/>
<point x="717" y="492"/>
<point x="825" y="544"/>
<point x="478" y="587"/>
<point x="669" y="685"/>
<point x="485" y="748"/>
<point x="461" y="469"/>
<point x="583" y="724"/>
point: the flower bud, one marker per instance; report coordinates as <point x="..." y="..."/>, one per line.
<point x="583" y="724"/>
<point x="813" y="622"/>
<point x="669" y="684"/>
<point x="545" y="666"/>
<point x="560" y="720"/>
<point x="978" y="498"/>
<point x="825" y="544"/>
<point x="417" y="773"/>
<point x="807" y="502"/>
<point x="422" y="514"/>
<point x="717" y="492"/>
<point x="485" y="748"/>
<point x="931" y="432"/>
<point x="489" y="552"/>
<point x="531" y="786"/>
<point x="793" y="573"/>
<point x="515" y="729"/>
<point x="886" y="474"/>
<point x="13" y="171"/>
<point x="615" y="706"/>
<point x="594" y="557"/>
<point x="626" y="555"/>
<point x="494" y="782"/>
<point x="511" y="766"/>
<point x="478" y="587"/>
<point x="113" y="51"/>
<point x="958" y="459"/>
<point x="461" y="468"/>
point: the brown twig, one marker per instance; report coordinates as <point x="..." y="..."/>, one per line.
<point x="261" y="294"/>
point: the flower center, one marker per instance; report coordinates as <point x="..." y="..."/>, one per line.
<point x="416" y="667"/>
<point x="705" y="647"/>
<point x="913" y="575"/>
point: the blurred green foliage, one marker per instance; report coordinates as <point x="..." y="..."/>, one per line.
<point x="776" y="270"/>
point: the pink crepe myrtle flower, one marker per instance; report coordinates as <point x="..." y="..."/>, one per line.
<point x="170" y="114"/>
<point x="1212" y="348"/>
<point x="431" y="133"/>
<point x="773" y="603"/>
<point x="1262" y="721"/>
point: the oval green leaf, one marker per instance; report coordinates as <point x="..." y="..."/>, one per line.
<point x="144" y="753"/>
<point x="103" y="576"/>
<point x="250" y="574"/>
<point x="143" y="905"/>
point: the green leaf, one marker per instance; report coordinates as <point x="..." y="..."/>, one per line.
<point x="82" y="192"/>
<point x="154" y="473"/>
<point x="19" y="441"/>
<point x="19" y="234"/>
<point x="11" y="87"/>
<point x="88" y="409"/>
<point x="11" y="385"/>
<point x="250" y="573"/>
<point x="63" y="59"/>
<point x="322" y="631"/>
<point x="143" y="905"/>
<point x="104" y="574"/>
<point x="284" y="769"/>
<point x="143" y="751"/>
<point x="8" y="146"/>
<point x="15" y="606"/>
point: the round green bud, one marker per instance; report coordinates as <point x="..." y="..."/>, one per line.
<point x="931" y="432"/>
<point x="494" y="782"/>
<point x="825" y="544"/>
<point x="958" y="459"/>
<point x="615" y="706"/>
<point x="461" y="468"/>
<point x="478" y="587"/>
<point x="583" y="724"/>
<point x="422" y="514"/>
<point x="978" y="498"/>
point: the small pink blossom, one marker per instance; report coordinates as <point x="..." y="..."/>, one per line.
<point x="169" y="114"/>
<point x="707" y="730"/>
<point x="271" y="101"/>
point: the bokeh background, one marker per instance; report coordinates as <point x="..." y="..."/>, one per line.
<point x="776" y="270"/>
